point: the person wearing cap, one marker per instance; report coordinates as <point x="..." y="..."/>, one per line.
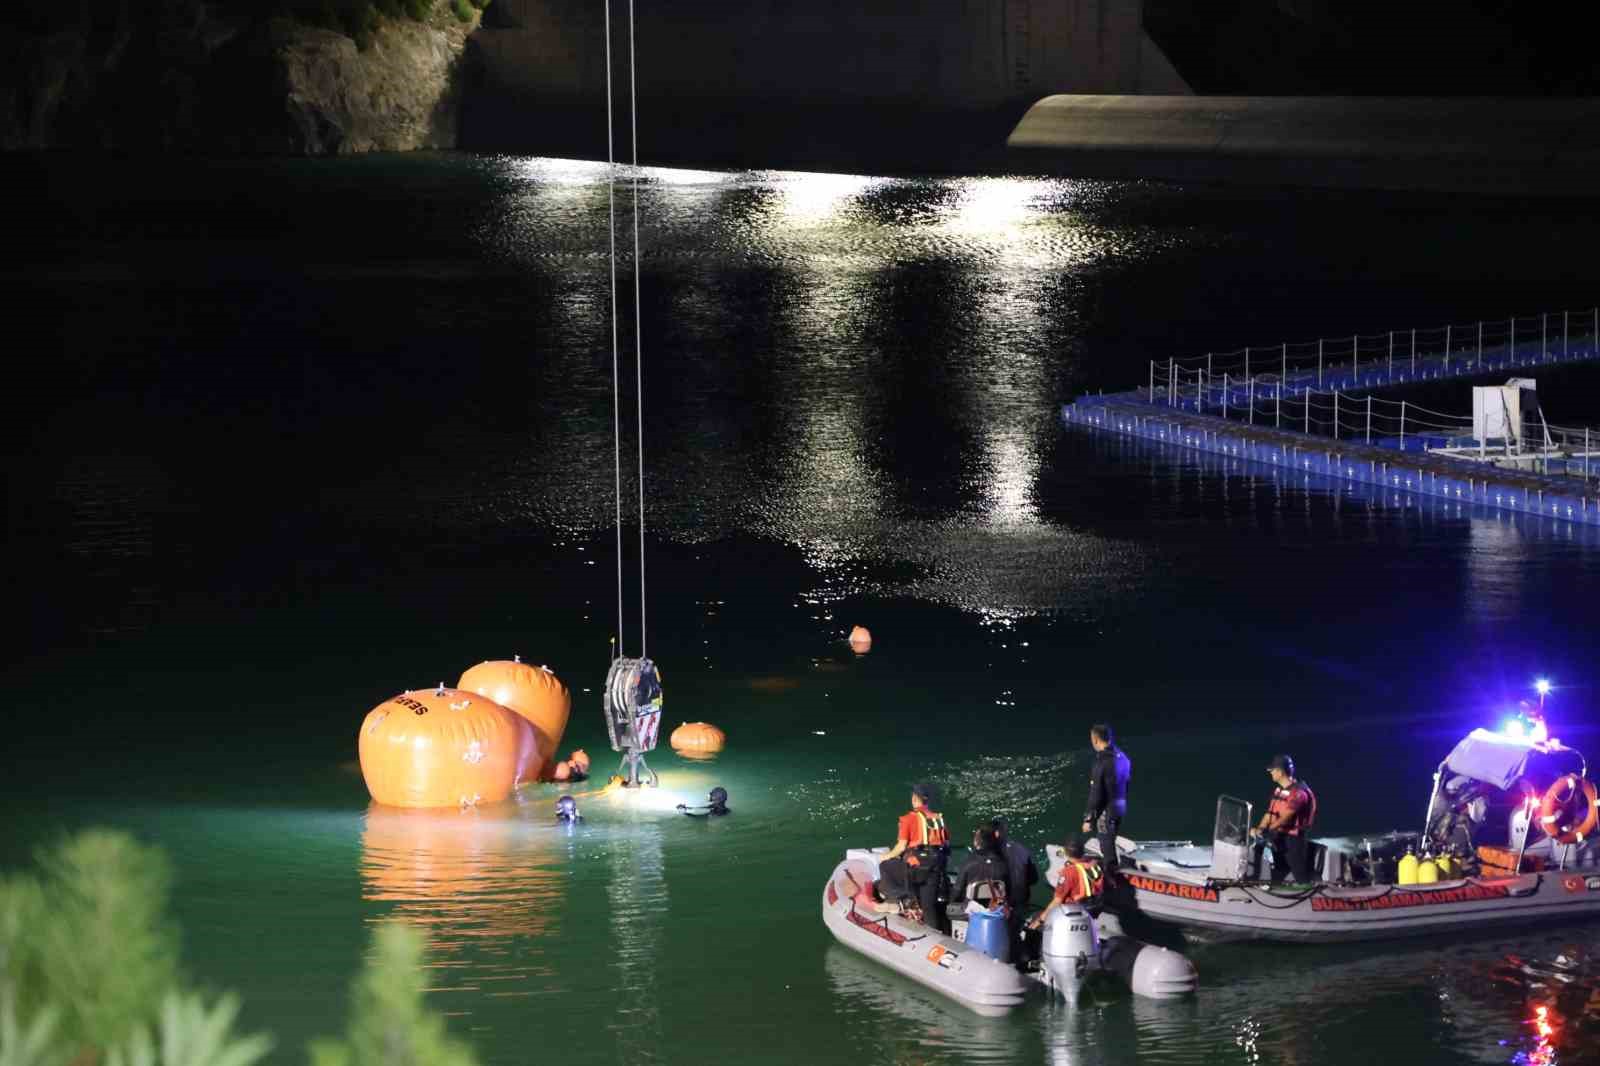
<point x="1021" y="874"/>
<point x="915" y="865"/>
<point x="1108" y="793"/>
<point x="1080" y="882"/>
<point x="1287" y="823"/>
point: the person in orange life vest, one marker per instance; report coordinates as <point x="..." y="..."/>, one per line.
<point x="1080" y="882"/>
<point x="1288" y="822"/>
<point x="915" y="866"/>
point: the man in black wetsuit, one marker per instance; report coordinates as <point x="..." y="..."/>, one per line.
<point x="986" y="865"/>
<point x="1108" y="794"/>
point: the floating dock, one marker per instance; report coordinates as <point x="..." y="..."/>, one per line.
<point x="1272" y="399"/>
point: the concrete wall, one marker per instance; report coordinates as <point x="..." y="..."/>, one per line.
<point x="1504" y="146"/>
<point x="741" y="62"/>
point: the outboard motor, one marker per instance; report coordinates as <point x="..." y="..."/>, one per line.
<point x="1069" y="950"/>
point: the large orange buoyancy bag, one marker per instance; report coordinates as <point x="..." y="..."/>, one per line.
<point x="445" y="748"/>
<point x="533" y="692"/>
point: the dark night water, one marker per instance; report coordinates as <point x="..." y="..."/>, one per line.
<point x="286" y="438"/>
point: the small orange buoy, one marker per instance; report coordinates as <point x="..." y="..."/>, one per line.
<point x="860" y="640"/>
<point x="696" y="739"/>
<point x="533" y="692"/>
<point x="445" y="748"/>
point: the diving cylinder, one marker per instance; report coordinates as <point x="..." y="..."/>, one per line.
<point x="1069" y="950"/>
<point x="1427" y="871"/>
<point x="1408" y="868"/>
<point x="1449" y="867"/>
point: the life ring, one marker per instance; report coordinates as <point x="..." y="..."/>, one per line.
<point x="1556" y="800"/>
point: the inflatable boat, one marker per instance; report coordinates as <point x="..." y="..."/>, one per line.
<point x="1513" y="816"/>
<point x="973" y="968"/>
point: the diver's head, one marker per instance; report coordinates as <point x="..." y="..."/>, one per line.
<point x="718" y="800"/>
<point x="567" y="809"/>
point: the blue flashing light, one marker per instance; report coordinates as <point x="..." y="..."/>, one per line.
<point x="1513" y="727"/>
<point x="1542" y="686"/>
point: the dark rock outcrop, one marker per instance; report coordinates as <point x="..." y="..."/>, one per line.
<point x="135" y="76"/>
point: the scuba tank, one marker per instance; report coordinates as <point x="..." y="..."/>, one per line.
<point x="1408" y="867"/>
<point x="1449" y="866"/>
<point x="1427" y="871"/>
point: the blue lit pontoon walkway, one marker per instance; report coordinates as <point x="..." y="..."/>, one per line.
<point x="1312" y="408"/>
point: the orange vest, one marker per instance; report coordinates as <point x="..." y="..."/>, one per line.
<point x="933" y="832"/>
<point x="1083" y="875"/>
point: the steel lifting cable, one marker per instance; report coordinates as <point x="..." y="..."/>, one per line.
<point x="638" y="320"/>
<point x="616" y="402"/>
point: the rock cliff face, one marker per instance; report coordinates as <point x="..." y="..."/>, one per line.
<point x="178" y="75"/>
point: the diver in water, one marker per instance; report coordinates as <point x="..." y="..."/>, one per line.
<point x="716" y="804"/>
<point x="567" y="811"/>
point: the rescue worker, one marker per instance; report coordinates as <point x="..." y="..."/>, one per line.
<point x="1021" y="875"/>
<point x="985" y="866"/>
<point x="915" y="866"/>
<point x="1287" y="823"/>
<point x="1108" y="794"/>
<point x="1081" y="882"/>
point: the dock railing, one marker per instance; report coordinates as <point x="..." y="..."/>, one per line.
<point x="1361" y="362"/>
<point x="1323" y="388"/>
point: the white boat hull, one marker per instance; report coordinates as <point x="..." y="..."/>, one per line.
<point x="1172" y="892"/>
<point x="946" y="965"/>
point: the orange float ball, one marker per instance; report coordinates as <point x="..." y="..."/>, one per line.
<point x="860" y="640"/>
<point x="444" y="748"/>
<point x="533" y="692"/>
<point x="698" y="738"/>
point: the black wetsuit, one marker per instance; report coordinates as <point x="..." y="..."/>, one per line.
<point x="981" y="866"/>
<point x="1021" y="875"/>
<point x="1108" y="800"/>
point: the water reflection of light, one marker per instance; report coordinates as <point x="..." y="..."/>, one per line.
<point x="637" y="898"/>
<point x="560" y="171"/>
<point x="806" y="199"/>
<point x="477" y="882"/>
<point x="681" y="176"/>
<point x="996" y="207"/>
<point x="1013" y="463"/>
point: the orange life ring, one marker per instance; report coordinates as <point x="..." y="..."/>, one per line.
<point x="1556" y="799"/>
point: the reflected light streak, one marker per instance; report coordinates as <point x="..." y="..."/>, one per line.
<point x="996" y="206"/>
<point x="807" y="199"/>
<point x="1013" y="466"/>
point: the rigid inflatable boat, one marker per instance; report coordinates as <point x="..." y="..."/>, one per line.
<point x="1516" y="814"/>
<point x="1075" y="948"/>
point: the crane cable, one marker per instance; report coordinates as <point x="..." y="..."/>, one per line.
<point x="616" y="402"/>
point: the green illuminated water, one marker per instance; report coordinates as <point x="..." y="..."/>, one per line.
<point x="307" y="435"/>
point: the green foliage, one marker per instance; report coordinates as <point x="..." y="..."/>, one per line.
<point x="390" y="1025"/>
<point x="462" y="9"/>
<point x="30" y="1045"/>
<point x="192" y="1035"/>
<point x="102" y="951"/>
